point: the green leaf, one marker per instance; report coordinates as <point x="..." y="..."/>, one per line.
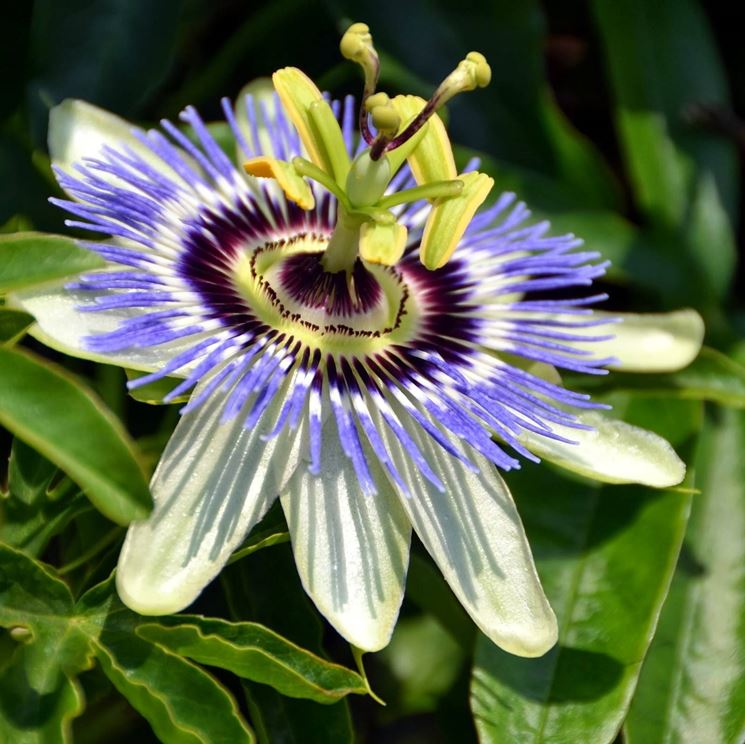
<point x="712" y="376"/>
<point x="182" y="703"/>
<point x="692" y="685"/>
<point x="27" y="259"/>
<point x="425" y="662"/>
<point x="39" y="696"/>
<point x="13" y="324"/>
<point x="578" y="164"/>
<point x="282" y="720"/>
<point x="31" y="514"/>
<point x="51" y="411"/>
<point x="29" y="474"/>
<point x="40" y="714"/>
<point x="252" y="587"/>
<point x="153" y="392"/>
<point x="30" y="527"/>
<point x="685" y="179"/>
<point x="59" y="639"/>
<point x="606" y="556"/>
<point x="254" y="652"/>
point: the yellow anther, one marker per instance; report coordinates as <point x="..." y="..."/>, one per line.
<point x="313" y="119"/>
<point x="296" y="188"/>
<point x="432" y="158"/>
<point x="449" y="218"/>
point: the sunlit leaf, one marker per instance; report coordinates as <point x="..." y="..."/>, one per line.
<point x="38" y="690"/>
<point x="27" y="259"/>
<point x="50" y="410"/>
<point x="692" y="686"/>
<point x="254" y="652"/>
<point x="60" y="638"/>
<point x="13" y="324"/>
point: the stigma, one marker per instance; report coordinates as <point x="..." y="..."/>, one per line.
<point x="404" y="131"/>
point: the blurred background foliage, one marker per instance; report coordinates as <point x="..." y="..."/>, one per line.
<point x="620" y="122"/>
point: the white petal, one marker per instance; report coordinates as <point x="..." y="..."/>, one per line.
<point x="61" y="325"/>
<point x="351" y="549"/>
<point x="261" y="92"/>
<point x="214" y="482"/>
<point x="660" y="342"/>
<point x="80" y="130"/>
<point x="474" y="533"/>
<point x="613" y="452"/>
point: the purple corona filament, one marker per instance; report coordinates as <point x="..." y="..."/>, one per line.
<point x="392" y="354"/>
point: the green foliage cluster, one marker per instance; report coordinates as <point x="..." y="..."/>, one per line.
<point x="649" y="587"/>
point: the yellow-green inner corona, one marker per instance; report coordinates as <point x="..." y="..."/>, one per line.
<point x="391" y="318"/>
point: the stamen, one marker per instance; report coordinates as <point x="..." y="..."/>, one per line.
<point x="357" y="46"/>
<point x="435" y="190"/>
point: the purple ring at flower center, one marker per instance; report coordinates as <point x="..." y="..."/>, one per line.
<point x="305" y="281"/>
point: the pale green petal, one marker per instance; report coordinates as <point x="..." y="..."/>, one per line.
<point x="294" y="186"/>
<point x="61" y="325"/>
<point x="613" y="452"/>
<point x="474" y="533"/>
<point x="213" y="484"/>
<point x="80" y="130"/>
<point x="351" y="549"/>
<point x="261" y="91"/>
<point x="654" y="342"/>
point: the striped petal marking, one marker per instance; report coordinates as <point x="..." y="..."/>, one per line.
<point x="369" y="399"/>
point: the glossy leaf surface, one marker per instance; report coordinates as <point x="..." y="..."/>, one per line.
<point x="27" y="259"/>
<point x="692" y="686"/>
<point x="13" y="324"/>
<point x="256" y="653"/>
<point x="49" y="409"/>
<point x="60" y="638"/>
